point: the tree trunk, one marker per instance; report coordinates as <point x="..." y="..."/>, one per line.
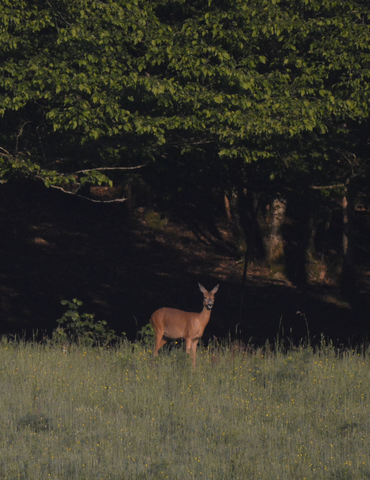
<point x="128" y="195"/>
<point x="348" y="278"/>
<point x="249" y="250"/>
<point x="231" y="201"/>
<point x="270" y="223"/>
<point x="228" y="208"/>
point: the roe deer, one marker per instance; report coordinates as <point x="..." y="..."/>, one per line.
<point x="172" y="323"/>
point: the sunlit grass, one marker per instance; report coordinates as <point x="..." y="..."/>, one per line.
<point x="117" y="414"/>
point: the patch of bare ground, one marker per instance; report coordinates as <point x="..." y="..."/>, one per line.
<point x="55" y="247"/>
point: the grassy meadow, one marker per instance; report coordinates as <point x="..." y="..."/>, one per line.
<point x="115" y="413"/>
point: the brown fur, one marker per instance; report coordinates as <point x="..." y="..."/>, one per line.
<point x="170" y="323"/>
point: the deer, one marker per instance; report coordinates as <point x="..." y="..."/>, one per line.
<point x="171" y="323"/>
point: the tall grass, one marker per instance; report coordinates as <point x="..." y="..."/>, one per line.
<point x="117" y="414"/>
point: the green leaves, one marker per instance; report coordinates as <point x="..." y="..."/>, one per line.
<point x="142" y="78"/>
<point x="81" y="329"/>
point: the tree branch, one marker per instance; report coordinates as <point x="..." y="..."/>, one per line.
<point x="111" y="168"/>
<point x="325" y="187"/>
<point x="87" y="198"/>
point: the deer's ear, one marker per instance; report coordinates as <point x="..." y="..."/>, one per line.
<point x="214" y="290"/>
<point x="202" y="289"/>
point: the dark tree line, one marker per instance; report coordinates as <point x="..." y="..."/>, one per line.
<point x="264" y="102"/>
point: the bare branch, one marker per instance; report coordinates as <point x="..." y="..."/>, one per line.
<point x="111" y="168"/>
<point x="20" y="133"/>
<point x="325" y="187"/>
<point x="87" y="198"/>
<point x="6" y="151"/>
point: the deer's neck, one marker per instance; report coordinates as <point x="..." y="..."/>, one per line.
<point x="205" y="315"/>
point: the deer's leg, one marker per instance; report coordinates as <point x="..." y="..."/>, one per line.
<point x="194" y="350"/>
<point x="188" y="343"/>
<point x="159" y="342"/>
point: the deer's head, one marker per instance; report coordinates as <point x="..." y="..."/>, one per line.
<point x="209" y="297"/>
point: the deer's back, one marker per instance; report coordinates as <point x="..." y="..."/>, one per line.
<point x="174" y="323"/>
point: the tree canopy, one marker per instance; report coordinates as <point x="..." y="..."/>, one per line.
<point x="265" y="90"/>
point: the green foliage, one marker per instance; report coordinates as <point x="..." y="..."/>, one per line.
<point x="111" y="83"/>
<point x="22" y="166"/>
<point x="81" y="329"/>
<point x="147" y="334"/>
